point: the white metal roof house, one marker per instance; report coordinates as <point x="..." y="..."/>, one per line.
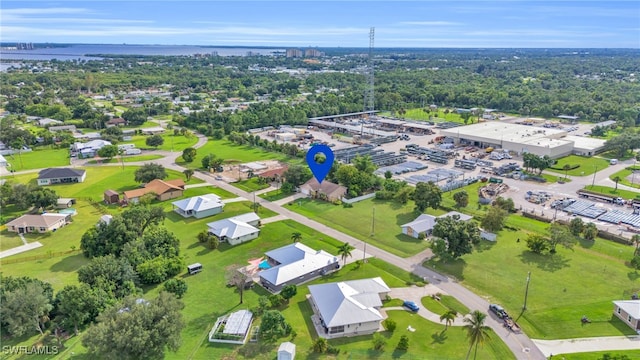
<point x="295" y="264"/>
<point x="349" y="307"/>
<point x="199" y="206"/>
<point x="424" y="223"/>
<point x="237" y="229"/>
<point x="629" y="312"/>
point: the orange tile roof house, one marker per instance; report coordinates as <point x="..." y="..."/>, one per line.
<point x="163" y="190"/>
<point x="38" y="223"/>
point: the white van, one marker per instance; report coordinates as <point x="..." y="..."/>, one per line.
<point x="194" y="268"/>
<point x="613" y="161"/>
<point x="132" y="151"/>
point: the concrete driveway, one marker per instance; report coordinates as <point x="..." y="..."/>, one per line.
<point x="415" y="294"/>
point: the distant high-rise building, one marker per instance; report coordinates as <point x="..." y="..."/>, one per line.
<point x="313" y="53"/>
<point x="293" y="53"/>
<point x="24" y="46"/>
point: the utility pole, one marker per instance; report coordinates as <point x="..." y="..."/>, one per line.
<point x="526" y="291"/>
<point x="373" y="227"/>
<point x="593" y="182"/>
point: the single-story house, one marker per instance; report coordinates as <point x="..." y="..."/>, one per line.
<point x="325" y="190"/>
<point x="199" y="206"/>
<point x="424" y="223"/>
<point x="65" y="203"/>
<point x="233" y="328"/>
<point x="295" y="264"/>
<point x="62" y="128"/>
<point x="349" y="307"/>
<point x="46" y="121"/>
<point x="274" y="174"/>
<point x="629" y="312"/>
<point x="116" y="122"/>
<point x="163" y="190"/>
<point x="287" y="351"/>
<point x="90" y="148"/>
<point x="111" y="197"/>
<point x="236" y="230"/>
<point x="38" y="223"/>
<point x="52" y="176"/>
<point x="152" y="130"/>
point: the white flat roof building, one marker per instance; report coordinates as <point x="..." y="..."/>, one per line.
<point x="523" y="138"/>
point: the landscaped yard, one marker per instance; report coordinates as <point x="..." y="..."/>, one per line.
<point x="588" y="165"/>
<point x="275" y="195"/>
<point x="38" y="158"/>
<point x="610" y="191"/>
<point x="563" y="287"/>
<point x="127" y="159"/>
<point x="443" y="305"/>
<point x="384" y="232"/>
<point x="627" y="178"/>
<point x="171" y="142"/>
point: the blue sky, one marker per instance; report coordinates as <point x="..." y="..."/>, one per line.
<point x="540" y="24"/>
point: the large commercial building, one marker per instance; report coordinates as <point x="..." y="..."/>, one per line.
<point x="524" y="139"/>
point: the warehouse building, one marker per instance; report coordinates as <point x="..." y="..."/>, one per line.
<point x="521" y="139"/>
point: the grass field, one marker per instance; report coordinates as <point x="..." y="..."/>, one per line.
<point x="631" y="354"/>
<point x="128" y="159"/>
<point x="610" y="191"/>
<point x="624" y="174"/>
<point x="171" y="142"/>
<point x="232" y="153"/>
<point x="250" y="185"/>
<point x="588" y="165"/>
<point x="445" y="304"/>
<point x="38" y="158"/>
<point x="435" y="116"/>
<point x="389" y="216"/>
<point x="560" y="277"/>
<point x="275" y="195"/>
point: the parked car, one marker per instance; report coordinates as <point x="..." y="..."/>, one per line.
<point x="498" y="310"/>
<point x="411" y="306"/>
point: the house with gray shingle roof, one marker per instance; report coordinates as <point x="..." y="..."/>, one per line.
<point x="348" y="307"/>
<point x="51" y="176"/>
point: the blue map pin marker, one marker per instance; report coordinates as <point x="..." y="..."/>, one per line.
<point x="320" y="170"/>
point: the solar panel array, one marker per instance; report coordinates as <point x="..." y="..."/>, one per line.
<point x="585" y="208"/>
<point x="621" y="217"/>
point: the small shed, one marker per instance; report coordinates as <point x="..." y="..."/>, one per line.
<point x="111" y="197"/>
<point x="287" y="351"/>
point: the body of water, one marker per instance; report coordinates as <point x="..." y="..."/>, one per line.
<point x="83" y="51"/>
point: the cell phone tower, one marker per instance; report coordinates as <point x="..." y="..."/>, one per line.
<point x="369" y="99"/>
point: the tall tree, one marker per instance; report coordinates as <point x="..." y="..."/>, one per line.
<point x="590" y="231"/>
<point x="42" y="198"/>
<point x="188" y="174"/>
<point x="576" y="226"/>
<point x="189" y="154"/>
<point x="296" y="236"/>
<point x="456" y="237"/>
<point x="636" y="241"/>
<point x="448" y="318"/>
<point x="297" y="175"/>
<point x="237" y="277"/>
<point x="137" y="329"/>
<point x="427" y="195"/>
<point x="78" y="305"/>
<point x="616" y="179"/>
<point x="344" y="251"/>
<point x="494" y="219"/>
<point x="273" y="325"/>
<point x="108" y="151"/>
<point x="364" y="164"/>
<point x="559" y="234"/>
<point x="461" y="198"/>
<point x="26" y="309"/>
<point x="154" y="140"/>
<point x="115" y="276"/>
<point x="150" y="171"/>
<point x="566" y="169"/>
<point x="477" y="331"/>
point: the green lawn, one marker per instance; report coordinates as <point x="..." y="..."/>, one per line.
<point x="37" y="159"/>
<point x="250" y="185"/>
<point x="275" y="195"/>
<point x="631" y="354"/>
<point x="387" y="233"/>
<point x="561" y="277"/>
<point x="588" y="165"/>
<point x="625" y="174"/>
<point x="128" y="159"/>
<point x="434" y="116"/>
<point x="445" y="304"/>
<point x="610" y="191"/>
<point x="231" y="153"/>
<point x="171" y="142"/>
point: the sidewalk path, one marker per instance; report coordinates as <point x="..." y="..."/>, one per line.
<point x="289" y="199"/>
<point x="20" y="249"/>
<point x="568" y="346"/>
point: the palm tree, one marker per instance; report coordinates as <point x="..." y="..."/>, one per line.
<point x="296" y="237"/>
<point x="188" y="174"/>
<point x="616" y="179"/>
<point x="566" y="169"/>
<point x="636" y="240"/>
<point x="345" y="251"/>
<point x="477" y="331"/>
<point x="448" y="318"/>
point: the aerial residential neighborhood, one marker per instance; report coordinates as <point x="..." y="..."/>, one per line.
<point x="319" y="202"/>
